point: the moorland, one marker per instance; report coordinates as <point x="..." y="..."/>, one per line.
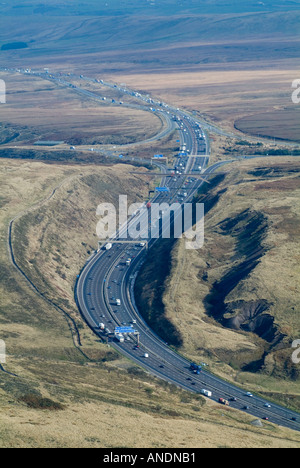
<point x="230" y="63"/>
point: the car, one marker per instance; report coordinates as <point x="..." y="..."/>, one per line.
<point x="233" y="399"/>
<point x="162" y="366"/>
<point x="249" y="394"/>
<point x="293" y="419"/>
<point x="266" y="418"/>
<point x="246" y="407"/>
<point x="267" y="405"/>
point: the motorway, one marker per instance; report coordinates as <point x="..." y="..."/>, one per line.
<point x="106" y="277"/>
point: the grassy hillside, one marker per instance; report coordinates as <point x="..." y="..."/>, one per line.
<point x="59" y="35"/>
<point x="280" y="124"/>
<point x="38" y="109"/>
<point x="53" y="392"/>
<point x="130" y="7"/>
<point x="235" y="302"/>
<point x="225" y="60"/>
<point x="95" y="28"/>
<point x="253" y="98"/>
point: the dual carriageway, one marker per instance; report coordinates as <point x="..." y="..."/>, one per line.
<point x="106" y="277"/>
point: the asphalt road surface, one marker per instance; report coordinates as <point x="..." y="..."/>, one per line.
<point x="106" y="277"/>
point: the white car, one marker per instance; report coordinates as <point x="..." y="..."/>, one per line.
<point x="146" y="355"/>
<point x="249" y="394"/>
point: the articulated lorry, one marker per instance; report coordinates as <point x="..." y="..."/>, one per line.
<point x="223" y="401"/>
<point x="206" y="393"/>
<point x="119" y="337"/>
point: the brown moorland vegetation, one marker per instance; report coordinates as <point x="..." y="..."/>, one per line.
<point x="235" y="302"/>
<point x="55" y="393"/>
<point x="221" y="63"/>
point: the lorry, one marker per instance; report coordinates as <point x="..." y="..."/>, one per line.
<point x="206" y="392"/>
<point x="119" y="337"/>
<point x="223" y="401"/>
<point x="195" y="368"/>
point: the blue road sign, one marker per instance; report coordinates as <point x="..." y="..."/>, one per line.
<point x="162" y="189"/>
<point x="158" y="156"/>
<point x="124" y="330"/>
